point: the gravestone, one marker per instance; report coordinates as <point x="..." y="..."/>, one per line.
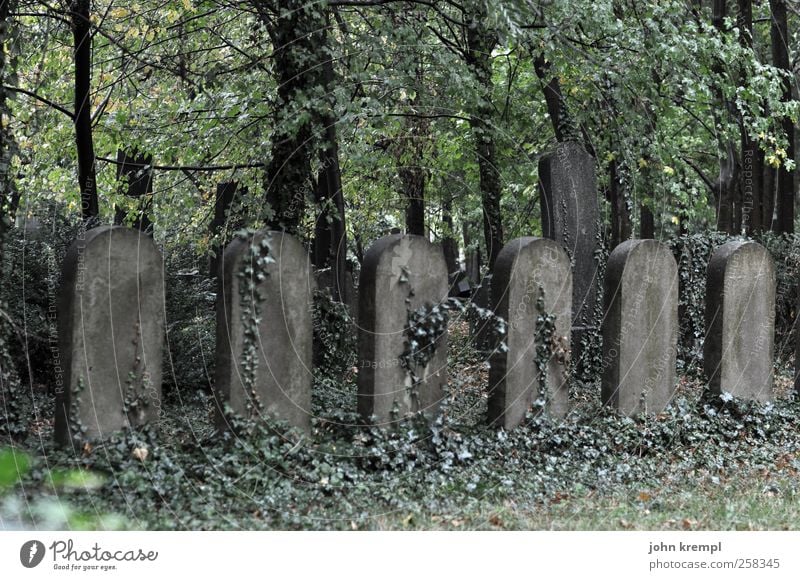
<point x="111" y="335"/>
<point x="400" y="274"/>
<point x="568" y="196"/>
<point x="640" y="327"/>
<point x="481" y="328"/>
<point x="740" y="321"/>
<point x="532" y="278"/>
<point x="280" y="332"/>
<point x="459" y="285"/>
<point x="472" y="266"/>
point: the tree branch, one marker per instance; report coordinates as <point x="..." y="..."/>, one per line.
<point x="41" y="99"/>
<point x="184" y="168"/>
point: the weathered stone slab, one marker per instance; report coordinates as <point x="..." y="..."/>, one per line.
<point x="111" y="334"/>
<point x="532" y="278"/>
<point x="400" y="274"/>
<point x="740" y="321"/>
<point x="481" y="328"/>
<point x="280" y="384"/>
<point x="570" y="216"/>
<point x="640" y="327"/>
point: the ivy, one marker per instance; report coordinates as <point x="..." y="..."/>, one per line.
<point x="545" y="345"/>
<point x="425" y="327"/>
<point x="252" y="273"/>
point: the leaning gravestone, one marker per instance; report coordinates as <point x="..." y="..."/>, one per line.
<point x="532" y="291"/>
<point x="264" y="329"/>
<point x="400" y="275"/>
<point x="111" y="335"/>
<point x="640" y="327"/>
<point x="568" y="196"/>
<point x="740" y="321"/>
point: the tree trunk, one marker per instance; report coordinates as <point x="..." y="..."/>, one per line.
<point x="725" y="187"/>
<point x="480" y="43"/>
<point x="620" y="216"/>
<point x="295" y="27"/>
<point x="135" y="172"/>
<point x="779" y="33"/>
<point x="769" y="198"/>
<point x="411" y="170"/>
<point x="563" y="126"/>
<point x="82" y="37"/>
<point x="647" y="225"/>
<point x="752" y="158"/>
<point x="449" y="243"/>
<point x="7" y="193"/>
<point x="330" y="233"/>
<point x="472" y="255"/>
<point x="223" y="222"/>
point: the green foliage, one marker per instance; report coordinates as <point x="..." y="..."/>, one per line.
<point x="14" y="465"/>
<point x="693" y="253"/>
<point x="351" y="476"/>
<point x="189" y="357"/>
<point x="335" y="357"/>
<point x="252" y="273"/>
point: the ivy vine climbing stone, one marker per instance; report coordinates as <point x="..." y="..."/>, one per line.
<point x="640" y="327"/>
<point x="532" y="291"/>
<point x="402" y="329"/>
<point x="740" y="321"/>
<point x="264" y="330"/>
<point x="111" y="335"/>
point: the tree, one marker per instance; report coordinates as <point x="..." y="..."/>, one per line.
<point x="779" y="34"/>
<point x="87" y="178"/>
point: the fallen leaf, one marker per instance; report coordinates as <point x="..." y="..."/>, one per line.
<point x="140" y="453"/>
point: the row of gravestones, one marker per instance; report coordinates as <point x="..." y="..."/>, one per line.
<point x="111" y="330"/>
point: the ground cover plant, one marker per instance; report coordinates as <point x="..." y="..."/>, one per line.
<point x="468" y="124"/>
<point x="707" y="463"/>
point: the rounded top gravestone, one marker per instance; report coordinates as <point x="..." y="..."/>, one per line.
<point x="264" y="332"/>
<point x="740" y="320"/>
<point x="111" y="333"/>
<point x="532" y="283"/>
<point x="640" y="327"/>
<point x="401" y="274"/>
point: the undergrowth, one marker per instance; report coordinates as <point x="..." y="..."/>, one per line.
<point x="347" y="475"/>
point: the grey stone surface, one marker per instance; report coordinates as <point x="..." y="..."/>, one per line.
<point x="740" y="321"/>
<point x="399" y="274"/>
<point x="570" y="216"/>
<point x="640" y="327"/>
<point x="523" y="267"/>
<point x="481" y="329"/>
<point x="283" y="375"/>
<point x="111" y="334"/>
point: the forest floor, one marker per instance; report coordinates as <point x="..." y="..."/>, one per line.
<point x="707" y="463"/>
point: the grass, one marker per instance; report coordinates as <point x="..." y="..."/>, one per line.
<point x="748" y="502"/>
